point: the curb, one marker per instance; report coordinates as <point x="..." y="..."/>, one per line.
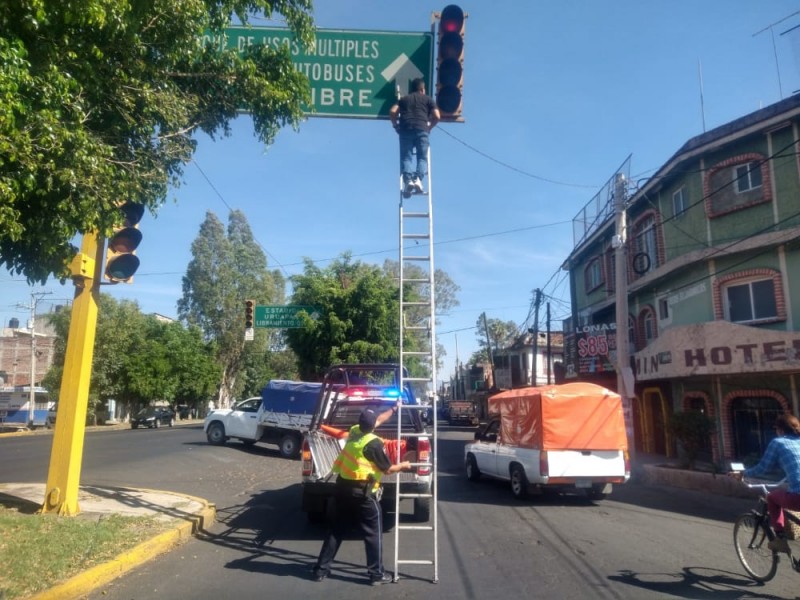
<point x="88" y="581"/>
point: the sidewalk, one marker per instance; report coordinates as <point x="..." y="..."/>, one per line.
<point x="188" y="515"/>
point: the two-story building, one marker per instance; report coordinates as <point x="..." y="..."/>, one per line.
<point x="712" y="244"/>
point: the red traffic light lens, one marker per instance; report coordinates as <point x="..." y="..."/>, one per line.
<point x="452" y="19"/>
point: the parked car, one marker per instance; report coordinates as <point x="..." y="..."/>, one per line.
<point x="153" y="417"/>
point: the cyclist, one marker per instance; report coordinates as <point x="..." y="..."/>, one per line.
<point x="782" y="452"/>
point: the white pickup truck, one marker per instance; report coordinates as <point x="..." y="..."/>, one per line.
<point x="281" y="416"/>
<point x="567" y="437"/>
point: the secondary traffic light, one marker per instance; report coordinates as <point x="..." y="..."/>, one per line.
<point x="121" y="259"/>
<point x="249" y="307"/>
<point x="450" y="63"/>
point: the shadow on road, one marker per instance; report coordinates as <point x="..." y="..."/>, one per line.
<point x="696" y="582"/>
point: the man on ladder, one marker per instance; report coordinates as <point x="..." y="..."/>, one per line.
<point x="413" y="117"/>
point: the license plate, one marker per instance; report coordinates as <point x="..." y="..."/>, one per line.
<point x="583" y="483"/>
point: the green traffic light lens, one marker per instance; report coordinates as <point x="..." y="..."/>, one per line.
<point x="122" y="267"/>
<point x="448" y="99"/>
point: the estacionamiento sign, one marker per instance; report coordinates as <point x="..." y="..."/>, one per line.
<point x="352" y="73"/>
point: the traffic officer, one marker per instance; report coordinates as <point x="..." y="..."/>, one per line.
<point x="360" y="466"/>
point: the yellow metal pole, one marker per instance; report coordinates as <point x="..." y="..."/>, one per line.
<point x="63" y="477"/>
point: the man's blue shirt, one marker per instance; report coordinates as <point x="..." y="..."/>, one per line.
<point x="784" y="453"/>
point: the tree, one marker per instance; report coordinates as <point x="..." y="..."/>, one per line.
<point x="692" y="429"/>
<point x="101" y="101"/>
<point x="228" y="268"/>
<point x="501" y="333"/>
<point x="138" y="358"/>
<point x="358" y="305"/>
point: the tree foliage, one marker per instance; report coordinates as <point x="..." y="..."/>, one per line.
<point x="138" y="358"/>
<point x="227" y="268"/>
<point x="99" y="102"/>
<point x="358" y="306"/>
<point x="501" y="334"/>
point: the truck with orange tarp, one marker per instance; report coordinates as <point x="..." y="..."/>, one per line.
<point x="568" y="437"/>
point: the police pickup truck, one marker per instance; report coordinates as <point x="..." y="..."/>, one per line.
<point x="281" y="415"/>
<point x="346" y="391"/>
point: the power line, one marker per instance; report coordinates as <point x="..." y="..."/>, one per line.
<point x="513" y="168"/>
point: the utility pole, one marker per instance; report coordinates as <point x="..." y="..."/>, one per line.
<point x="535" y="331"/>
<point x="36" y="297"/>
<point x="624" y="371"/>
<point x="549" y="346"/>
<point x="489" y="350"/>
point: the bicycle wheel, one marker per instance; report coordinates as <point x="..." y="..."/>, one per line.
<point x="750" y="538"/>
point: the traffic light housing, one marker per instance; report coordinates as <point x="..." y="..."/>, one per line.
<point x="450" y="63"/>
<point x="121" y="259"/>
<point x="249" y="308"/>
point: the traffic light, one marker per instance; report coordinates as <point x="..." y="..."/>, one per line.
<point x="249" y="307"/>
<point x="450" y="63"/>
<point x="121" y="259"/>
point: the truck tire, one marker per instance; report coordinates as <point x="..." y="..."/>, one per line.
<point x="473" y="472"/>
<point x="519" y="482"/>
<point x="422" y="510"/>
<point x="216" y="434"/>
<point x="290" y="446"/>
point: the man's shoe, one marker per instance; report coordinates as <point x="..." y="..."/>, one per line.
<point x="380" y="580"/>
<point x="416" y="183"/>
<point x="318" y="575"/>
<point x="779" y="544"/>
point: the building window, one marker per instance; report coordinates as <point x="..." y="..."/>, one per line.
<point x="647" y="327"/>
<point x="751" y="301"/>
<point x="611" y="269"/>
<point x="663" y="309"/>
<point x="737" y="183"/>
<point x="747" y="177"/>
<point x="645" y="245"/>
<point x="680" y="202"/>
<point x="593" y="275"/>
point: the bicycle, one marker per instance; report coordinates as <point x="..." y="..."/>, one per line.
<point x="752" y="532"/>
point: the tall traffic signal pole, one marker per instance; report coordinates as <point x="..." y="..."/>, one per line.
<point x="63" y="476"/>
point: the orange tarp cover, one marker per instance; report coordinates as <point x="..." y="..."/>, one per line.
<point x="572" y="416"/>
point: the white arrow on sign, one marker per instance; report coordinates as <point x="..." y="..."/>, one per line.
<point x="403" y="71"/>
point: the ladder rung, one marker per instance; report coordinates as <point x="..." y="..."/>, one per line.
<point x="416" y="328"/>
<point x="414" y="407"/>
<point x="415" y="280"/>
<point x="415" y="236"/>
<point x="416" y="215"/>
<point x="425" y="258"/>
<point x="417" y="495"/>
<point x="416" y="378"/>
<point x="417" y="353"/>
<point x="417" y="303"/>
<point x="409" y="561"/>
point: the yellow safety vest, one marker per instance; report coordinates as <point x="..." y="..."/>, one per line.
<point x="351" y="463"/>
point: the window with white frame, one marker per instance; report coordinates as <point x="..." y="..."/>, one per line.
<point x="593" y="274"/>
<point x="648" y="326"/>
<point x="645" y="241"/>
<point x="747" y="177"/>
<point x="680" y="202"/>
<point x="749" y="301"/>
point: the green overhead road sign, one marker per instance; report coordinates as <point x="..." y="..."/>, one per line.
<point x="352" y="73"/>
<point x="283" y="316"/>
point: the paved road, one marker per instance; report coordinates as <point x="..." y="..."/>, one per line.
<point x="644" y="542"/>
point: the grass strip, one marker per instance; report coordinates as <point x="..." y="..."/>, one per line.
<point x="38" y="551"/>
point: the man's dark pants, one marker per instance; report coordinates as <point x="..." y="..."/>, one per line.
<point x="354" y="509"/>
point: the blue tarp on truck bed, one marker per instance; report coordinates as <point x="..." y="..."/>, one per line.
<point x="296" y="397"/>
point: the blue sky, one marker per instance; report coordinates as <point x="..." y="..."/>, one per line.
<point x="556" y="96"/>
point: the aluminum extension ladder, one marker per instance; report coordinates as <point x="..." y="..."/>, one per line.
<point x="417" y="319"/>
